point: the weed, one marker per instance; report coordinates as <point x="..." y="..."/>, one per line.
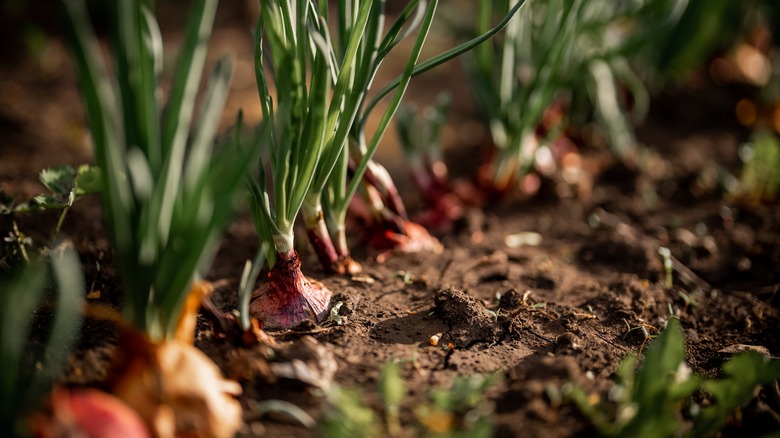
<point x="647" y="399"/>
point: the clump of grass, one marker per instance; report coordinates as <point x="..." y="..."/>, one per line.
<point x="167" y="194"/>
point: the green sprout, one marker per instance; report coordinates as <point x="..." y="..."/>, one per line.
<point x="66" y="185"/>
<point x="167" y="192"/>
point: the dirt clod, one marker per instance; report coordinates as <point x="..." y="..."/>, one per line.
<point x="469" y="321"/>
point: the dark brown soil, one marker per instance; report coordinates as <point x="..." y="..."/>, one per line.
<point x="566" y="310"/>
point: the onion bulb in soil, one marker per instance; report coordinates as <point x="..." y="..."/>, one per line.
<point x="87" y="413"/>
<point x="175" y="387"/>
<point x="289" y="298"/>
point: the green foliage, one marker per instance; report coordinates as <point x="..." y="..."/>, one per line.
<point x="465" y="393"/>
<point x="167" y="192"/>
<point x="418" y="17"/>
<point x="647" y="399"/>
<point x="743" y="373"/>
<point x="22" y="382"/>
<point x="321" y="105"/>
<point x="347" y="416"/>
<point x="573" y="51"/>
<point x="296" y="120"/>
<point x="459" y="411"/>
<point x="702" y="27"/>
<point x="65" y="185"/>
<point x="464" y="402"/>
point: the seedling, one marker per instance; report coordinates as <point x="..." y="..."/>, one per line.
<point x="167" y="194"/>
<point x="644" y="328"/>
<point x="65" y="185"/>
<point x="666" y="254"/>
<point x="689" y="299"/>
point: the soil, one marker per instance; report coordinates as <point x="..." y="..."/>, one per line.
<point x="570" y="307"/>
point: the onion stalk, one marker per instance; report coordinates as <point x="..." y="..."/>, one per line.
<point x="167" y="195"/>
<point x="297" y="125"/>
<point x="562" y="53"/>
<point x="363" y="46"/>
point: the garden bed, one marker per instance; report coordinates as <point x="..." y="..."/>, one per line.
<point x="566" y="309"/>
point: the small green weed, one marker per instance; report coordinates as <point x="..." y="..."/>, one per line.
<point x="648" y="399"/>
<point x="65" y="185"/>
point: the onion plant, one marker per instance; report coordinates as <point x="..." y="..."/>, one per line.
<point x="355" y="166"/>
<point x="419" y="131"/>
<point x="167" y="195"/>
<point x="321" y="106"/>
<point x="552" y="53"/>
